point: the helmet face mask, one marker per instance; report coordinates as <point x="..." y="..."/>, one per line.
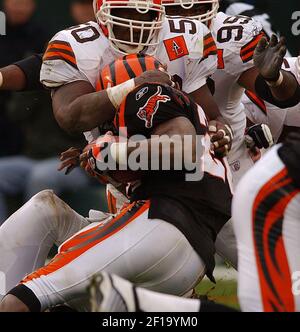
<point x="206" y="10"/>
<point x="130" y="25"/>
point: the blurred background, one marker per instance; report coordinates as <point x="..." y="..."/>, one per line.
<point x="30" y="139"/>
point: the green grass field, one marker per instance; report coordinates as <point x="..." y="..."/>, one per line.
<point x="223" y="292"/>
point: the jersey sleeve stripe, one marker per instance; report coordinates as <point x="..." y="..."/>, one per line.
<point x="60" y="50"/>
<point x="60" y="47"/>
<point x="60" y="42"/>
<point x="61" y="56"/>
<point x="247" y="50"/>
<point x="252" y="43"/>
<point x="54" y="49"/>
<point x="221" y="64"/>
<point x="257" y="101"/>
<point x="209" y="41"/>
<point x="209" y="47"/>
<point x="248" y="58"/>
<point x="210" y="51"/>
<point x="211" y="44"/>
<point x="207" y="37"/>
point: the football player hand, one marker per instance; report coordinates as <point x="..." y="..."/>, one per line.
<point x="94" y="158"/>
<point x="69" y="160"/>
<point x="221" y="137"/>
<point x="255" y="154"/>
<point x="160" y="76"/>
<point x="268" y="57"/>
<point x="259" y="136"/>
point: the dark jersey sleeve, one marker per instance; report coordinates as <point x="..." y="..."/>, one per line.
<point x="150" y="105"/>
<point x="31" y="67"/>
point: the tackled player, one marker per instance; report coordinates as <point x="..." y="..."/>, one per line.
<point x="165" y="210"/>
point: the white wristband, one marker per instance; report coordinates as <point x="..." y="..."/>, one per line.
<point x="277" y="83"/>
<point x="118" y="152"/>
<point x="119" y="92"/>
<point x="1" y="79"/>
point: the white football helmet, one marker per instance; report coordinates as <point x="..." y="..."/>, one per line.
<point x="104" y="15"/>
<point x="188" y="4"/>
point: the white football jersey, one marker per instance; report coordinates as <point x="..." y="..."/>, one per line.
<point x="79" y="53"/>
<point x="236" y="38"/>
<point x="240" y="8"/>
<point x="259" y="111"/>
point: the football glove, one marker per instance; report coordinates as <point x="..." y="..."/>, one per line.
<point x="259" y="136"/>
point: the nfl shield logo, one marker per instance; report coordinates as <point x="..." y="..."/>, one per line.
<point x="235" y="166"/>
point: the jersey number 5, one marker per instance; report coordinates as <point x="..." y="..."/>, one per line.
<point x="183" y="24"/>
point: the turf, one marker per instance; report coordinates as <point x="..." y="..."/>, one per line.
<point x="223" y="292"/>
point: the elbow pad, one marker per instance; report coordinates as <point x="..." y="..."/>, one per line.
<point x="31" y="67"/>
<point x="264" y="92"/>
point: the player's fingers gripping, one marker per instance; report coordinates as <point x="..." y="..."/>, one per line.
<point x="221" y="137"/>
<point x="70" y="153"/>
<point x="155" y="76"/>
<point x="221" y="142"/>
<point x="68" y="163"/>
<point x="222" y="151"/>
<point x="92" y="160"/>
<point x="255" y="154"/>
<point x="69" y="160"/>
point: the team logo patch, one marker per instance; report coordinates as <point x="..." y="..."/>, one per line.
<point x="141" y="93"/>
<point x="147" y="112"/>
<point x="176" y="47"/>
<point x="235" y="166"/>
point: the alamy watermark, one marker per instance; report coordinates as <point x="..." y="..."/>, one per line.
<point x="296" y="25"/>
<point x="161" y="152"/>
<point x="2" y="24"/>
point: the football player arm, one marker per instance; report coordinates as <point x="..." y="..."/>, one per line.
<point x="12" y="78"/>
<point x="267" y="79"/>
<point x="204" y="98"/>
<point x="78" y="108"/>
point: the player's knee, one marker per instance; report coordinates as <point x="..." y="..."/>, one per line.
<point x="44" y="196"/>
<point x="52" y="205"/>
<point x="46" y="199"/>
